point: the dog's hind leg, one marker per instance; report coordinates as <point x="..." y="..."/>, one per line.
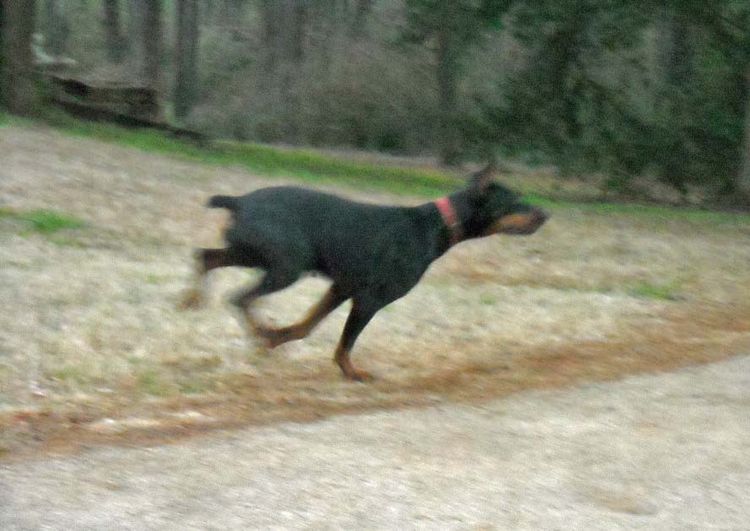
<point x="278" y="336"/>
<point x="206" y="260"/>
<point x="273" y="280"/>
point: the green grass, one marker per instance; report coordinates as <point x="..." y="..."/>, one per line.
<point x="487" y="299"/>
<point x="151" y="382"/>
<point x="71" y="374"/>
<point x="694" y="215"/>
<point x="313" y="167"/>
<point x="45" y="222"/>
<point x="302" y="164"/>
<point x="668" y="291"/>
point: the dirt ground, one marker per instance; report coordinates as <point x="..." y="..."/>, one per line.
<point x="94" y="351"/>
<point x="664" y="452"/>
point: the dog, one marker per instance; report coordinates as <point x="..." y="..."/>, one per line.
<point x="373" y="254"/>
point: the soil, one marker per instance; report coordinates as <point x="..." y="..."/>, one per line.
<point x="495" y="404"/>
<point x="652" y="452"/>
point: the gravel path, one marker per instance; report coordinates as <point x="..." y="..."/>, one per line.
<point x="653" y="452"/>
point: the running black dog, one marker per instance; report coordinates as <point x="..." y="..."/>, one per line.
<point x="373" y="254"/>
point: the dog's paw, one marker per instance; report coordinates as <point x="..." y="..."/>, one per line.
<point x="358" y="375"/>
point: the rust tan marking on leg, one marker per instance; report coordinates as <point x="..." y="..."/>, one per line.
<point x="279" y="336"/>
<point x="350" y="372"/>
<point x="195" y="296"/>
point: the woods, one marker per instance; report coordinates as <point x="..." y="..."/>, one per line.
<point x="623" y="89"/>
<point x="17" y="21"/>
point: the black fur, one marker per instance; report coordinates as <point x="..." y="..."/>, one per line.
<point x="373" y="254"/>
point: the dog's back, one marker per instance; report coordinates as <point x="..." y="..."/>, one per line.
<point x="316" y="231"/>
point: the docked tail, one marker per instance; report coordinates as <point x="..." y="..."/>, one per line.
<point x="223" y="201"/>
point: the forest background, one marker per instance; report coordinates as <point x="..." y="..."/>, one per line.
<point x="621" y="91"/>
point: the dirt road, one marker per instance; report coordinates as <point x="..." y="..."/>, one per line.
<point x="497" y="340"/>
<point x="663" y="451"/>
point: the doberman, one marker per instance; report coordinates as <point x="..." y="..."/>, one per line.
<point x="372" y="254"/>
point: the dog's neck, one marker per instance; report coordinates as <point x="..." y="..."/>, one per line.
<point x="450" y="218"/>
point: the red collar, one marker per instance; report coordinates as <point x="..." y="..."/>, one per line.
<point x="448" y="213"/>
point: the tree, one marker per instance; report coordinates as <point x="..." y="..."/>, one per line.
<point x="285" y="29"/>
<point x="743" y="179"/>
<point x="17" y="83"/>
<point x="362" y="11"/>
<point x="56" y="28"/>
<point x="675" y="57"/>
<point x="145" y="34"/>
<point x="152" y="42"/>
<point x="732" y="32"/>
<point x="2" y="56"/>
<point x="113" y="31"/>
<point x="231" y="10"/>
<point x="630" y="88"/>
<point x="284" y="24"/>
<point x="711" y="80"/>
<point x="134" y="23"/>
<point x="187" y="51"/>
<point x="449" y="27"/>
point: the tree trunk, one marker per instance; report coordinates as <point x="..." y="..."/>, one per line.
<point x="675" y="56"/>
<point x="674" y="50"/>
<point x="295" y="13"/>
<point x="152" y="43"/>
<point x="2" y="54"/>
<point x="113" y="31"/>
<point x="447" y="79"/>
<point x="187" y="51"/>
<point x="285" y="29"/>
<point x="133" y="24"/>
<point x="231" y="11"/>
<point x="56" y="28"/>
<point x="359" y="24"/>
<point x="134" y="37"/>
<point x="144" y="34"/>
<point x="743" y="182"/>
<point x="17" y="85"/>
<point x="271" y="32"/>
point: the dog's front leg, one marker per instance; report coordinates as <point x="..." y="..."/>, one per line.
<point x="363" y="310"/>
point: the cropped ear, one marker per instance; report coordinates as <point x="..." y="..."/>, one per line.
<point x="480" y="181"/>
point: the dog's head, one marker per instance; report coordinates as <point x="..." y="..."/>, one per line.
<point x="494" y="209"/>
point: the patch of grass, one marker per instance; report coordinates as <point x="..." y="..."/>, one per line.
<point x="70" y="374"/>
<point x="669" y="291"/>
<point x="150" y="382"/>
<point x="695" y="216"/>
<point x="311" y="166"/>
<point x="302" y="164"/>
<point x="65" y="241"/>
<point x="196" y="386"/>
<point x="488" y="299"/>
<point x="48" y="221"/>
<point x="44" y="221"/>
<point x="155" y="279"/>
